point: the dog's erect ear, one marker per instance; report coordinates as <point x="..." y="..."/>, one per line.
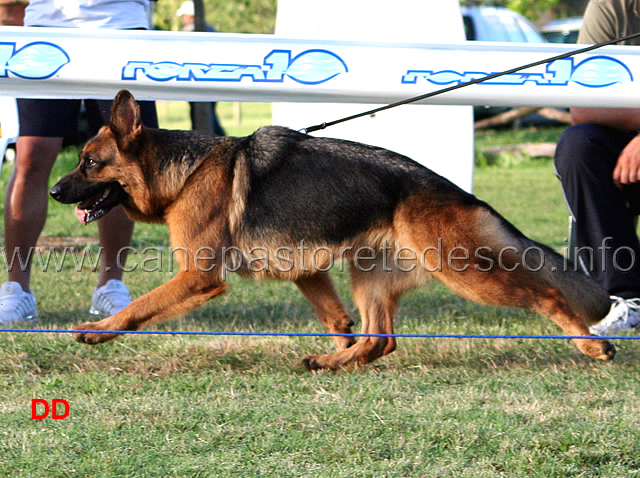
<point x="125" y="115"/>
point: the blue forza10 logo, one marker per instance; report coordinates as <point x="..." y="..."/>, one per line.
<point x="41" y="60"/>
<point x="34" y="61"/>
<point x="594" y="72"/>
<point x="310" y="67"/>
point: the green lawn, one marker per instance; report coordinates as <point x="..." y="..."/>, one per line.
<point x="192" y="406"/>
<point x="238" y="119"/>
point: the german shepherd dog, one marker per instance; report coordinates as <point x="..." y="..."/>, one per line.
<point x="288" y="204"/>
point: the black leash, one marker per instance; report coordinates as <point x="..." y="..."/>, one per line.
<point x="318" y="127"/>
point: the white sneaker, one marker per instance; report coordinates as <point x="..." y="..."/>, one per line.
<point x="624" y="314"/>
<point x="16" y="305"/>
<point x="110" y="299"/>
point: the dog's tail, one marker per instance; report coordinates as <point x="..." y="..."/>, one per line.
<point x="542" y="266"/>
<point x="488" y="260"/>
<point x="585" y="297"/>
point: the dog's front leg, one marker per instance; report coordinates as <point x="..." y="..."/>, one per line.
<point x="322" y="295"/>
<point x="185" y="292"/>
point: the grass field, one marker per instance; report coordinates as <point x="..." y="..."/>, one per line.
<point x="150" y="406"/>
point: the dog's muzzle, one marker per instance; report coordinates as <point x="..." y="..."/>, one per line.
<point x="95" y="200"/>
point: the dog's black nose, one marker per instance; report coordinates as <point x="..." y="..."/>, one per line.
<point x="56" y="192"/>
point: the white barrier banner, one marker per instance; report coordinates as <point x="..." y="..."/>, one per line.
<point x="77" y="63"/>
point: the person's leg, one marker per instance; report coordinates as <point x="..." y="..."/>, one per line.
<point x="25" y="204"/>
<point x="217" y="126"/>
<point x="608" y="245"/>
<point x="605" y="217"/>
<point x="43" y="125"/>
<point x="115" y="231"/>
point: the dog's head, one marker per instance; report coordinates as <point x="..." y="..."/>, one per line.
<point x="102" y="178"/>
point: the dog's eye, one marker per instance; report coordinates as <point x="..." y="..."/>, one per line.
<point x="90" y="163"/>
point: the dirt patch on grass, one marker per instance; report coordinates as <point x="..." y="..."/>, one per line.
<point x="55" y="242"/>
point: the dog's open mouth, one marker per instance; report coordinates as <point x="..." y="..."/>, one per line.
<point x="99" y="204"/>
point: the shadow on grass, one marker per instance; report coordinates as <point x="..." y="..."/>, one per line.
<point x="279" y="308"/>
<point x="156" y="357"/>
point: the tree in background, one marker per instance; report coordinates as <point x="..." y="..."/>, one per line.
<point x="235" y="16"/>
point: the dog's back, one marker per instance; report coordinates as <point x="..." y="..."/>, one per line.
<point x="328" y="189"/>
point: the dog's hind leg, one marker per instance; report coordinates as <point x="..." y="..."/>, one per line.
<point x="521" y="289"/>
<point x="490" y="262"/>
<point x="321" y="294"/>
<point x="553" y="305"/>
<point x="377" y="303"/>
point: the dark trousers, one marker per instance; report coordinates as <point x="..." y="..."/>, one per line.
<point x="61" y="118"/>
<point x="605" y="216"/>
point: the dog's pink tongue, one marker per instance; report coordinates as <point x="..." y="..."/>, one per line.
<point x="82" y="215"/>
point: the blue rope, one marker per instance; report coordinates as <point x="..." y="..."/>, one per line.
<point x="319" y="334"/>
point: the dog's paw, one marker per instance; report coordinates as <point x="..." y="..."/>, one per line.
<point x="92" y="338"/>
<point x="598" y="349"/>
<point x="322" y="362"/>
<point x="310" y="363"/>
<point x="607" y="351"/>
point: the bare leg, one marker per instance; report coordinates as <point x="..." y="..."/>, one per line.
<point x="26" y="200"/>
<point x="115" y="231"/>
